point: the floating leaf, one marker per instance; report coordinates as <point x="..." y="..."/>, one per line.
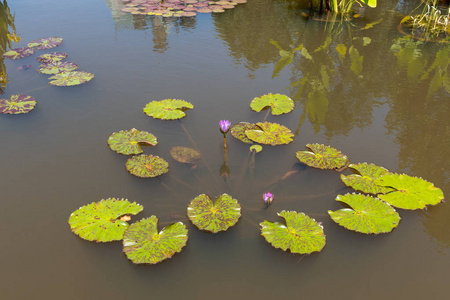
<point x="18" y="53"/>
<point x="301" y="234"/>
<point x="101" y="221"/>
<point x="147" y="166"/>
<point x="167" y="109"/>
<point x="70" y="78"/>
<point x="127" y="141"/>
<point x="17" y="104"/>
<point x="184" y="154"/>
<point x="364" y="181"/>
<point x="280" y="104"/>
<point x="143" y="244"/>
<point x="57" y="67"/>
<point x="411" y="192"/>
<point x="270" y="133"/>
<point x="51" y="57"/>
<point x="214" y="217"/>
<point x="45" y="43"/>
<point x="238" y="131"/>
<point x="322" y="157"/>
<point x="366" y="214"/>
<point x="256" y="148"/>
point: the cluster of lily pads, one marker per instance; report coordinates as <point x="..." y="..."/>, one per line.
<point x="369" y="212"/>
<point x="178" y="8"/>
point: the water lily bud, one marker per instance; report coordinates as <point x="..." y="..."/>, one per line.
<point x="268" y="198"/>
<point x="224" y="126"/>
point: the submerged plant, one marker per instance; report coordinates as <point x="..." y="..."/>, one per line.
<point x="185" y="154"/>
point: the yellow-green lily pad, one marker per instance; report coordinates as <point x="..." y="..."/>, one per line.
<point x="322" y="157"/>
<point x="270" y="134"/>
<point x="70" y="78"/>
<point x="364" y="181"/>
<point x="146" y="166"/>
<point x="280" y="104"/>
<point x="167" y="109"/>
<point x="128" y="141"/>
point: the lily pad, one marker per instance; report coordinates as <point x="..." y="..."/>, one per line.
<point x="322" y="157"/>
<point x="103" y="221"/>
<point x="271" y="134"/>
<point x="301" y="234"/>
<point x="143" y="244"/>
<point x="127" y="141"/>
<point x="51" y="57"/>
<point x="167" y="109"/>
<point x="146" y="166"/>
<point x="214" y="217"/>
<point x="45" y="43"/>
<point x="280" y="104"/>
<point x="184" y="154"/>
<point x="70" y="78"/>
<point x="238" y="131"/>
<point x="256" y="148"/>
<point x="17" y="104"/>
<point x="364" y="181"/>
<point x="411" y="192"/>
<point x="366" y="214"/>
<point x="18" y="53"/>
<point x="56" y="67"/>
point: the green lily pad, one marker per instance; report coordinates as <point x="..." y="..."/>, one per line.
<point x="214" y="217"/>
<point x="322" y="157"/>
<point x="301" y="234"/>
<point x="366" y="214"/>
<point x="167" y="109"/>
<point x="45" y="43"/>
<point x="184" y="154"/>
<point x="127" y="141"/>
<point x="146" y="166"/>
<point x="364" y="181"/>
<point x="143" y="244"/>
<point x="17" y="104"/>
<point x="18" y="53"/>
<point x="280" y="104"/>
<point x="256" y="148"/>
<point x="51" y="57"/>
<point x="270" y="134"/>
<point x="56" y="67"/>
<point x="411" y="192"/>
<point x="238" y="131"/>
<point x="70" y="78"/>
<point x="103" y="221"/>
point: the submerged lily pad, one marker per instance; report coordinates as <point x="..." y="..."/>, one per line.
<point x="280" y="104"/>
<point x="366" y="214"/>
<point x="143" y="244"/>
<point x="102" y="221"/>
<point x="410" y="192"/>
<point x="364" y="181"/>
<point x="127" y="141"/>
<point x="18" y="53"/>
<point x="214" y="217"/>
<point x="322" y="157"/>
<point x="167" y="109"/>
<point x="45" y="43"/>
<point x="70" y="78"/>
<point x="301" y="234"/>
<point x="184" y="154"/>
<point x="51" y="57"/>
<point x="17" y="104"/>
<point x="238" y="131"/>
<point x="146" y="166"/>
<point x="56" y="67"/>
<point x="270" y="134"/>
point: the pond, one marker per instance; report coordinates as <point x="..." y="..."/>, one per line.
<point x="386" y="101"/>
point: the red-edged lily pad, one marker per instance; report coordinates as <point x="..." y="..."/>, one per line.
<point x="70" y="78"/>
<point x="146" y="166"/>
<point x="18" y="53"/>
<point x="45" y="43"/>
<point x="17" y="104"/>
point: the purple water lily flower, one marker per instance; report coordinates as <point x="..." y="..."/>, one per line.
<point x="224" y="126"/>
<point x="268" y="198"/>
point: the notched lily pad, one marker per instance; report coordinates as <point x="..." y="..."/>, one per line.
<point x="127" y="141"/>
<point x="322" y="157"/>
<point x="51" y="57"/>
<point x="143" y="244"/>
<point x="70" y="78"/>
<point x="45" y="43"/>
<point x="364" y="181"/>
<point x="184" y="154"/>
<point x="18" y="53"/>
<point x="270" y="134"/>
<point x="103" y="221"/>
<point x="146" y="166"/>
<point x="280" y="104"/>
<point x="167" y="109"/>
<point x="238" y="131"/>
<point x="366" y="214"/>
<point x="410" y="192"/>
<point x="214" y="217"/>
<point x="17" y="104"/>
<point x="56" y="67"/>
<point x="301" y="234"/>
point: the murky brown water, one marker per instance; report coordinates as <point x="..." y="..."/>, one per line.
<point x="386" y="104"/>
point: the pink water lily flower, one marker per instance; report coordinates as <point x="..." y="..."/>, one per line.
<point x="224" y="126"/>
<point x="268" y="198"/>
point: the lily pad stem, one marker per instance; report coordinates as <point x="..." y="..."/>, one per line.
<point x="267" y="114"/>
